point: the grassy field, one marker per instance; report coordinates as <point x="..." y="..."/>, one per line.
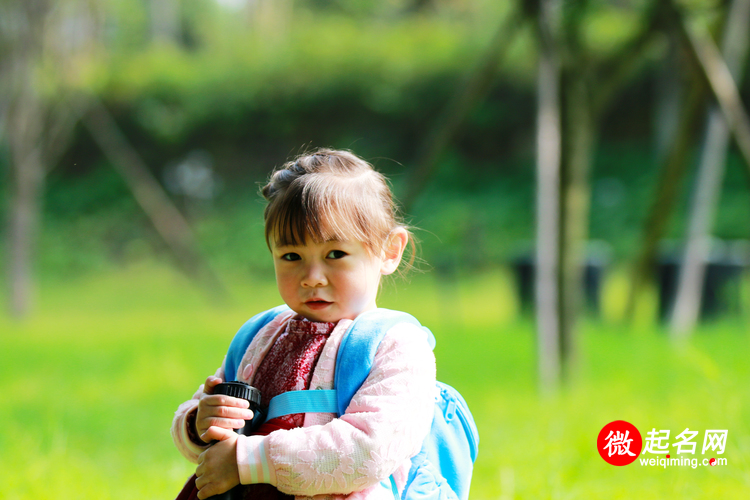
<point x="91" y="382"/>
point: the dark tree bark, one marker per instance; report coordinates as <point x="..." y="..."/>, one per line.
<point x="578" y="140"/>
<point x="669" y="94"/>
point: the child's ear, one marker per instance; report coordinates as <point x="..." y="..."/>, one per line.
<point x="394" y="250"/>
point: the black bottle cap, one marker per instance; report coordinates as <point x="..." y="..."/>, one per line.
<point x="239" y="390"/>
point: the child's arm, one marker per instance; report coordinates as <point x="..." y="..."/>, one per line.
<point x="381" y="430"/>
<point x="207" y="417"/>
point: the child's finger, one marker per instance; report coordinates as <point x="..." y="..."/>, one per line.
<point x="204" y="484"/>
<point x="229" y="412"/>
<point x="223" y="400"/>
<point x="211" y="489"/>
<point x="211" y="382"/>
<point x="225" y="423"/>
<point x="215" y="433"/>
<point x="211" y="413"/>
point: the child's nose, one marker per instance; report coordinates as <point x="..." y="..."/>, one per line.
<point x="314" y="276"/>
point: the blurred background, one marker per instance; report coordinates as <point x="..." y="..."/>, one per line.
<point x="577" y="173"/>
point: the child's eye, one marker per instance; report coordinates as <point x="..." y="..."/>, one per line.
<point x="336" y="254"/>
<point x="290" y="256"/>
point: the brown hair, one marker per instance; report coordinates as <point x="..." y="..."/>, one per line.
<point x="330" y="195"/>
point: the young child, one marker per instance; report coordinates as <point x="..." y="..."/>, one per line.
<point x="332" y="229"/>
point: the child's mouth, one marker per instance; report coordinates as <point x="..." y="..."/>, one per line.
<point x="317" y="304"/>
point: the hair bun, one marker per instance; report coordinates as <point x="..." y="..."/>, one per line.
<point x="282" y="178"/>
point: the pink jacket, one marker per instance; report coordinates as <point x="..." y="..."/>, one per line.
<point x="346" y="457"/>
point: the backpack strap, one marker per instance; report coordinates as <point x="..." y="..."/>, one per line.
<point x="244" y="336"/>
<point x="357" y="350"/>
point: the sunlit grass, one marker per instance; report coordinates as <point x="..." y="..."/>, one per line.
<point x="91" y="382"/>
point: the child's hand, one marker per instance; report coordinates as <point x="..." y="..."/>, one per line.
<point x="217" y="468"/>
<point x="218" y="415"/>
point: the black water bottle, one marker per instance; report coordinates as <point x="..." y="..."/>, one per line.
<point x="244" y="391"/>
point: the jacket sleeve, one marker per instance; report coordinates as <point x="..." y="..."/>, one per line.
<point x="383" y="427"/>
<point x="183" y="417"/>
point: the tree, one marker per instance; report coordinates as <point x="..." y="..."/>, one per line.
<point x="24" y="124"/>
<point x="710" y="77"/>
<point x="574" y="91"/>
<point x="38" y="123"/>
<point x="710" y="174"/>
<point x="548" y="224"/>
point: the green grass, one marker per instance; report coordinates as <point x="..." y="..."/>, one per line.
<point x="91" y="382"/>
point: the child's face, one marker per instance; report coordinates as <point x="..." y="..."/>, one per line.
<point x="328" y="281"/>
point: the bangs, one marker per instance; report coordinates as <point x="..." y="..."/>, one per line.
<point x="324" y="211"/>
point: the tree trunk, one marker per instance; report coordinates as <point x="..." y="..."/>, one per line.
<point x="548" y="307"/>
<point x="23" y="123"/>
<point x="25" y="127"/>
<point x="578" y="138"/>
<point x="671" y="175"/>
<point x="566" y="135"/>
<point x="708" y="185"/>
<point x="670" y="93"/>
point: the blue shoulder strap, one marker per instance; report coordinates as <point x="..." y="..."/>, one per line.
<point x="356" y="353"/>
<point x="244" y="336"/>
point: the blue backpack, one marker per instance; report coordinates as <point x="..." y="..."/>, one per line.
<point x="443" y="467"/>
